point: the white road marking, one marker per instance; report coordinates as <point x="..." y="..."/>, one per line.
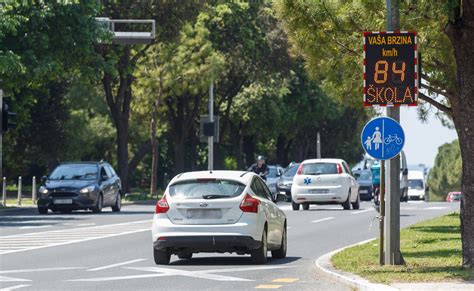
<point x="362" y="211"/>
<point x="12" y="279"/>
<point x="38" y="270"/>
<point x="14" y="287"/>
<point x="35" y="226"/>
<point x="116" y="265"/>
<point x="435" y="208"/>
<point x="16" y="243"/>
<point x="164" y="272"/>
<point x="323" y="219"/>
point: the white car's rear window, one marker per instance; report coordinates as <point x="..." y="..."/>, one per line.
<point x="319" y="169"/>
<point x="206" y="189"/>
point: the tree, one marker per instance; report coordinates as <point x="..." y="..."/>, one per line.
<point x="328" y="34"/>
<point x="121" y="63"/>
<point x="445" y="176"/>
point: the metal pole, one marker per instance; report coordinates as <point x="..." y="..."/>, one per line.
<point x="382" y="211"/>
<point x="318" y="146"/>
<point x="392" y="220"/>
<point x="33" y="191"/>
<point x="4" y="192"/>
<point x="210" y="139"/>
<point x="18" y="201"/>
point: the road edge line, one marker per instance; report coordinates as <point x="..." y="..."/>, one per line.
<point x="325" y="268"/>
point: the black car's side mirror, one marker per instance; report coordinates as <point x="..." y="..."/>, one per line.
<point x="44" y="179"/>
<point x="280" y="197"/>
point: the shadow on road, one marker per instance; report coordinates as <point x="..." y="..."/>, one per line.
<point x="228" y="261"/>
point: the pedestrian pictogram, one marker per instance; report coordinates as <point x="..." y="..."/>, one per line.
<point x="383" y="138"/>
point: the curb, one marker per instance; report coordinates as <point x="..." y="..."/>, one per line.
<point x="140" y="202"/>
<point x="18" y="208"/>
<point x="325" y="268"/>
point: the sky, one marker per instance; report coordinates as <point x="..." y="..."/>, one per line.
<point x="423" y="139"/>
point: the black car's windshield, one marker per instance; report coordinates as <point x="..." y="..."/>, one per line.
<point x="206" y="188"/>
<point x="74" y="172"/>
<point x="291" y="171"/>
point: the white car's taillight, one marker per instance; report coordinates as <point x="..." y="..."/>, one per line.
<point x="249" y="204"/>
<point x="162" y="205"/>
<point x="339" y="169"/>
<point x="300" y="169"/>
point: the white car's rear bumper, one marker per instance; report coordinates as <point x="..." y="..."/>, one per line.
<point x="249" y="225"/>
<point x="327" y="194"/>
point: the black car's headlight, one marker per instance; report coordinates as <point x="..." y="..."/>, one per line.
<point x="43" y="191"/>
<point x="88" y="189"/>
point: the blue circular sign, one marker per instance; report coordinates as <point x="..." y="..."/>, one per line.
<point x="383" y="138"/>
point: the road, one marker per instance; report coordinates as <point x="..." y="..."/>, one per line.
<point x="113" y="251"/>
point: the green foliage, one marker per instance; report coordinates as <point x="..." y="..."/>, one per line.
<point x="446" y="174"/>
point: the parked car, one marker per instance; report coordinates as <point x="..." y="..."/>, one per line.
<point x="274" y="173"/>
<point x="453" y="196"/>
<point x="416" y="185"/>
<point x="364" y="178"/>
<point x="286" y="180"/>
<point x="80" y="185"/>
<point x="218" y="211"/>
<point x="324" y="181"/>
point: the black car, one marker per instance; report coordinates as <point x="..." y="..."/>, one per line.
<point x="286" y="180"/>
<point x="80" y="185"/>
<point x="364" y="177"/>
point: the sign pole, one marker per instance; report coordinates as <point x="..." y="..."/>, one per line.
<point x="382" y="211"/>
<point x="210" y="139"/>
<point x="392" y="254"/>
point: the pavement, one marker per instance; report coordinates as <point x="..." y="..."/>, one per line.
<point x="113" y="251"/>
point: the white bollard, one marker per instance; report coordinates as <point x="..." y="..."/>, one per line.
<point x="33" y="191"/>
<point x="4" y="192"/>
<point x="18" y="202"/>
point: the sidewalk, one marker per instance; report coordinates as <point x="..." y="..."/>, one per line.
<point x="325" y="268"/>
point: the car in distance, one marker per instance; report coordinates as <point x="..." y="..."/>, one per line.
<point x="218" y="211"/>
<point x="364" y="178"/>
<point x="274" y="173"/>
<point x="286" y="180"/>
<point x="80" y="185"/>
<point x="324" y="181"/>
<point x="453" y="196"/>
<point x="416" y="185"/>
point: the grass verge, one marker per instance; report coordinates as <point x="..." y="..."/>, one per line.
<point x="431" y="249"/>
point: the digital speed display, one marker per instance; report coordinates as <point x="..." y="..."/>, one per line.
<point x="390" y="68"/>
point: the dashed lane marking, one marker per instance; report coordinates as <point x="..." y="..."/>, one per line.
<point x="285" y="280"/>
<point x="268" y="286"/>
<point x="323" y="219"/>
<point x="35" y="226"/>
<point x="14" y="287"/>
<point x="37" y="240"/>
<point x="117" y="265"/>
<point x="362" y="211"/>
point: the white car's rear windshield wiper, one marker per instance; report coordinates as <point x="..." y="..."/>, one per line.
<point x="214" y="196"/>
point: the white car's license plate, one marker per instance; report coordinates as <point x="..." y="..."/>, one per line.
<point x="319" y="191"/>
<point x="363" y="191"/>
<point x="204" y="213"/>
<point x="62" y="201"/>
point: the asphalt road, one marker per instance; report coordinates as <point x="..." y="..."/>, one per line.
<point x="113" y="251"/>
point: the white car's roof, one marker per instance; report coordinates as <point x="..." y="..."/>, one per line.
<point x="239" y="176"/>
<point x="336" y="161"/>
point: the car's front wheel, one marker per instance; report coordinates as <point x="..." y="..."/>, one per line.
<point x="118" y="203"/>
<point x="161" y="257"/>
<point x="99" y="204"/>
<point x="295" y="206"/>
<point x="281" y="252"/>
<point x="42" y="210"/>
<point x="305" y="206"/>
<point x="259" y="256"/>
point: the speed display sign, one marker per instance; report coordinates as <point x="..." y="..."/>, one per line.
<point x="390" y="68"/>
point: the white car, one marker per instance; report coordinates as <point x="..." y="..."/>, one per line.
<point x="218" y="211"/>
<point x="324" y="181"/>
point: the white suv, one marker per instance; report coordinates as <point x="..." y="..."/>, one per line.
<point x="219" y="211"/>
<point x="324" y="181"/>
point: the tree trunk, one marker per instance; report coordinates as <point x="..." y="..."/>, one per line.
<point x="179" y="151"/>
<point x="154" y="151"/>
<point x="122" y="153"/>
<point x="461" y="35"/>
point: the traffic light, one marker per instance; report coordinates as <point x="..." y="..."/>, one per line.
<point x="8" y="118"/>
